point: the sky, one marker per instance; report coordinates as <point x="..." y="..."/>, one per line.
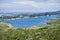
<point x="29" y="5"/>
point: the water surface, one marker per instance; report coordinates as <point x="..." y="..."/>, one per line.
<point x="29" y="22"/>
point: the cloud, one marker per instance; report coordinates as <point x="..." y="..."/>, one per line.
<point x="30" y="5"/>
<point x="38" y="5"/>
<point x="54" y="1"/>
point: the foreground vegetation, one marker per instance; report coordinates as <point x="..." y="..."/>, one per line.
<point x="50" y="32"/>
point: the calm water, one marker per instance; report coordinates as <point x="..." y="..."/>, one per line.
<point x="29" y="22"/>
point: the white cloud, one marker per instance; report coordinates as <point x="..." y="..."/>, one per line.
<point x="5" y="5"/>
<point x="44" y="6"/>
<point x="37" y="4"/>
<point x="54" y="1"/>
<point x="31" y="3"/>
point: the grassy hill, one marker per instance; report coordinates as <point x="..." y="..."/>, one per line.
<point x="51" y="32"/>
<point x="4" y="26"/>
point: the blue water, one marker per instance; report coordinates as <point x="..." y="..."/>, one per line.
<point x="29" y="22"/>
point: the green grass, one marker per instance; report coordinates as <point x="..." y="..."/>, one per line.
<point x="4" y="26"/>
<point x="51" y="32"/>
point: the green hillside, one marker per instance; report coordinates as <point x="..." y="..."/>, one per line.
<point x="50" y="32"/>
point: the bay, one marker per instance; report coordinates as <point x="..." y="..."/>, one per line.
<point x="30" y="22"/>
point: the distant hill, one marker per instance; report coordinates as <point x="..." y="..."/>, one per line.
<point x="23" y="15"/>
